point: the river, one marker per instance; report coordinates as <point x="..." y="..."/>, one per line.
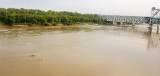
<point x="79" y="51"/>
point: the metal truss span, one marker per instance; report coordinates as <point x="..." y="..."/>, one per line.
<point x="153" y="19"/>
<point x="128" y="19"/>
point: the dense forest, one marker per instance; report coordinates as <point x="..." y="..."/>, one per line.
<point x="13" y="16"/>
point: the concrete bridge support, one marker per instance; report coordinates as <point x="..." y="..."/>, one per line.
<point x="121" y="23"/>
<point x="158" y="28"/>
<point x="133" y="24"/>
<point x="150" y="26"/>
<point x="114" y="23"/>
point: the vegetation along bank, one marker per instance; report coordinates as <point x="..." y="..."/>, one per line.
<point x="13" y="16"/>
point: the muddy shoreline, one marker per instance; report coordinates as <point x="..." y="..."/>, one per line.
<point x="46" y="26"/>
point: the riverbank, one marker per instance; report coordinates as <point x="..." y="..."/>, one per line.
<point x="49" y="25"/>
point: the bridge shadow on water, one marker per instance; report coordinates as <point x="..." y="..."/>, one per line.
<point x="153" y="39"/>
<point x="151" y="35"/>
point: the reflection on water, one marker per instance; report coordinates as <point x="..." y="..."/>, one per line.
<point x="12" y="32"/>
<point x="79" y="51"/>
<point x="153" y="39"/>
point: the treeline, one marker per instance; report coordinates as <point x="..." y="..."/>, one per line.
<point x="13" y="16"/>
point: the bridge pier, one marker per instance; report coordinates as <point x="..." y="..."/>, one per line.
<point x="121" y="23"/>
<point x="133" y="24"/>
<point x="157" y="28"/>
<point x="114" y="23"/>
<point x="150" y="26"/>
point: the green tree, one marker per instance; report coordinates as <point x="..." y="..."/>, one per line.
<point x="10" y="20"/>
<point x="12" y="16"/>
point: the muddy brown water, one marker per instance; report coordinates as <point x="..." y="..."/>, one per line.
<point x="79" y="51"/>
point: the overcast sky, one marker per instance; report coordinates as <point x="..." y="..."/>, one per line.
<point x="107" y="7"/>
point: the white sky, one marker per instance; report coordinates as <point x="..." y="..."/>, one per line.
<point x="106" y="7"/>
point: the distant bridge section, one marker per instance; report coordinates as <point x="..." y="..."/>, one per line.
<point x="127" y="19"/>
<point x="153" y="19"/>
<point x="155" y="16"/>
